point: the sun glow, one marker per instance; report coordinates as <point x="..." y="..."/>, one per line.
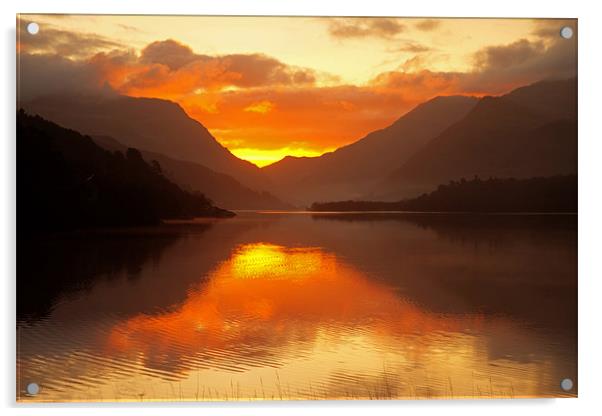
<point x="265" y="157"/>
<point x="261" y="260"/>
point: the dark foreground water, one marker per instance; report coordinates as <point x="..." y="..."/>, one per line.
<point x="302" y="306"/>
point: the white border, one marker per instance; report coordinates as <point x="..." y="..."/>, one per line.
<point x="590" y="201"/>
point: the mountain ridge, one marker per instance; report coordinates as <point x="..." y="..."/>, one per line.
<point x="68" y="182"/>
<point x="152" y="124"/>
<point x="531" y="131"/>
<point x="352" y="169"/>
<point x="222" y="189"/>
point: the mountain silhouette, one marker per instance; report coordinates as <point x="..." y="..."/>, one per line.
<point x="222" y="189"/>
<point x="67" y="182"/>
<point x="352" y="170"/>
<point x="529" y="132"/>
<point x="150" y="124"/>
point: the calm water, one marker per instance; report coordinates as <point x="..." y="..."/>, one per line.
<point x="302" y="306"/>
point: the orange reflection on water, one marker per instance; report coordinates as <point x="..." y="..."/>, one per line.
<point x="263" y="260"/>
<point x="267" y="296"/>
<point x="299" y="322"/>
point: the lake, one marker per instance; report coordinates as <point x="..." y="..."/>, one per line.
<point x="302" y="306"/>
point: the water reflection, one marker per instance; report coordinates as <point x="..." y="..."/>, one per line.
<point x="51" y="267"/>
<point x="295" y="307"/>
<point x="267" y="297"/>
<point x="523" y="266"/>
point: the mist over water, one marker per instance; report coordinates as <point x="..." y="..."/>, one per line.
<point x="302" y="306"/>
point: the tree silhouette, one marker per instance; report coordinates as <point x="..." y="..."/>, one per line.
<point x="551" y="194"/>
<point x="66" y="181"/>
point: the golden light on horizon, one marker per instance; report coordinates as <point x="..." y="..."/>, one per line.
<point x="265" y="157"/>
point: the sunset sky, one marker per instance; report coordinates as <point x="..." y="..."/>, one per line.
<point x="267" y="87"/>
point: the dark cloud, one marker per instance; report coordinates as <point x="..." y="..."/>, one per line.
<point x="50" y="40"/>
<point x="497" y="69"/>
<point x="428" y="25"/>
<point x="547" y="31"/>
<point x="240" y="70"/>
<point x="361" y="27"/>
<point x="505" y="56"/>
<point x="168" y="52"/>
<point x="52" y="74"/>
<point x="259" y="69"/>
<point x="500" y="68"/>
<point x="165" y="68"/>
<point x="550" y="28"/>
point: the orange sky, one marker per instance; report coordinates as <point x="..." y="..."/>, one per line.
<point x="267" y="87"/>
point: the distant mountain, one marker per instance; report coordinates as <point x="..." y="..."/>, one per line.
<point x="222" y="189"/>
<point x="65" y="181"/>
<point x="150" y="124"/>
<point x="530" y="132"/>
<point x="352" y="170"/>
<point x="552" y="194"/>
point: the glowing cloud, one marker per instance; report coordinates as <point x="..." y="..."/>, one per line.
<point x="261" y="107"/>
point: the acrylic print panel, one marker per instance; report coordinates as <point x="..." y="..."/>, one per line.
<point x="279" y="208"/>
